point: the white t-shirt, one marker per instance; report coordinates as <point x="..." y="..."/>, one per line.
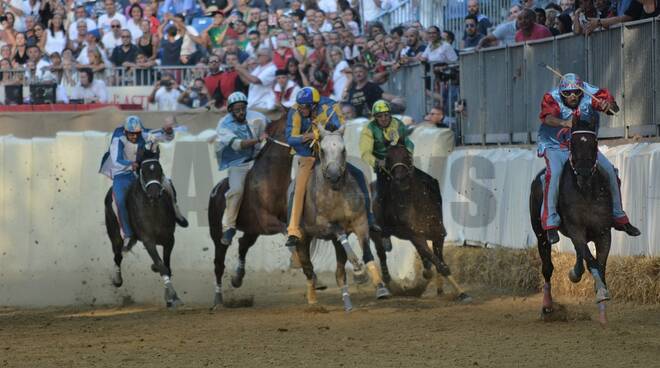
<point x="55" y="43"/>
<point x="289" y="101"/>
<point x="19" y="23"/>
<point x="506" y="32"/>
<point x="339" y="79"/>
<point x="73" y="27"/>
<point x="188" y="45"/>
<point x="167" y="100"/>
<point x="135" y="30"/>
<point x="105" y="21"/>
<point x="97" y="90"/>
<point x="442" y="54"/>
<point x="328" y="6"/>
<point x="110" y="42"/>
<point x="371" y="11"/>
<point x="261" y="95"/>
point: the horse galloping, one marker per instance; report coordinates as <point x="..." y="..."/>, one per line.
<point x="413" y="212"/>
<point x="152" y="218"/>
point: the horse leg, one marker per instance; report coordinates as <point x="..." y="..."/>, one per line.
<point x="162" y="269"/>
<point x="112" y="227"/>
<point x="382" y="255"/>
<point x="381" y="290"/>
<point x="443" y="269"/>
<point x="602" y="294"/>
<point x="359" y="274"/>
<point x="219" y="269"/>
<point x="340" y="274"/>
<point x="170" y="294"/>
<point x="308" y="269"/>
<point x="244" y="244"/>
<point x="602" y="252"/>
<point x="575" y="273"/>
<point x="545" y="252"/>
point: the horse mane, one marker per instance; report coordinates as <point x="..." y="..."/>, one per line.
<point x="276" y="128"/>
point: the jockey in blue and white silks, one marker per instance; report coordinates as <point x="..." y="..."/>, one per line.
<point x="240" y="136"/>
<point x="558" y="109"/>
<point x="120" y="163"/>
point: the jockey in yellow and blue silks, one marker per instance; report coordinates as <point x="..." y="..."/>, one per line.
<point x="301" y="130"/>
<point x="558" y="109"/>
<point x="120" y="163"/>
<point x="240" y="136"/>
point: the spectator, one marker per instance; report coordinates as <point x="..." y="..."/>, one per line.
<point x="37" y="36"/>
<point x="551" y="17"/>
<point x="126" y="53"/>
<point x="184" y="7"/>
<point x="171" y="45"/>
<point x="413" y="47"/>
<point x="229" y="81"/>
<point x="112" y="38"/>
<point x="348" y="111"/>
<point x="528" y="29"/>
<point x="165" y="94"/>
<point x="142" y="70"/>
<point x="224" y="6"/>
<point x="191" y="38"/>
<point x="540" y="16"/>
<point x="329" y="7"/>
<point x="567" y="6"/>
<point x="7" y="32"/>
<point x="553" y="6"/>
<point x="95" y="63"/>
<point x="340" y="71"/>
<point x="285" y="89"/>
<point x="56" y="36"/>
<point x="283" y="52"/>
<point x="15" y="8"/>
<point x="89" y="89"/>
<point x="212" y="78"/>
<point x="77" y="43"/>
<point x="351" y="50"/>
<point x="320" y="80"/>
<point x="584" y="9"/>
<point x="70" y="75"/>
<point x="5" y="53"/>
<point x="604" y="9"/>
<point x="80" y="15"/>
<point x="436" y="117"/>
<point x="348" y="17"/>
<point x="318" y="57"/>
<point x="91" y="43"/>
<point x="134" y="23"/>
<point x="505" y="33"/>
<point x="445" y="86"/>
<point x="242" y="40"/>
<point x="638" y="9"/>
<point x="373" y="8"/>
<point x="7" y="77"/>
<point x="106" y="20"/>
<point x="483" y="23"/>
<point x="437" y="50"/>
<point x="19" y="53"/>
<point x="147" y="43"/>
<point x="230" y="46"/>
<point x="392" y="48"/>
<point x="253" y="43"/>
<point x="261" y="80"/>
<point x="295" y="74"/>
<point x="214" y="35"/>
<point x="149" y="14"/>
<point x="195" y="96"/>
<point x="472" y="35"/>
<point x="362" y="93"/>
<point x="564" y="24"/>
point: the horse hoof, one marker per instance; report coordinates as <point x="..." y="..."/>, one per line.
<point x="117" y="280"/>
<point x="237" y="280"/>
<point x="360" y="276"/>
<point x="602" y="295"/>
<point x="217" y="301"/>
<point x="182" y="221"/>
<point x="427" y="274"/>
<point x="154" y="268"/>
<point x="573" y="276"/>
<point x="464" y="298"/>
<point x="382" y="292"/>
<point x="174" y="304"/>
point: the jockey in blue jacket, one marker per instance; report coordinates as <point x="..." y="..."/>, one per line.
<point x="558" y="108"/>
<point x="302" y="129"/>
<point x="240" y="136"/>
<point x="119" y="164"/>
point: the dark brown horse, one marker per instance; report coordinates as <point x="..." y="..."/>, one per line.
<point x="413" y="212"/>
<point x="263" y="209"/>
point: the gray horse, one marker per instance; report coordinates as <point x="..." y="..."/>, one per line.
<point x="334" y="208"/>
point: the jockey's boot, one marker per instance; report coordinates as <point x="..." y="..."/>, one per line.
<point x="292" y="241"/>
<point x="628" y="228"/>
<point x="553" y="236"/>
<point x="129" y="242"/>
<point x="228" y="236"/>
<point x="178" y="216"/>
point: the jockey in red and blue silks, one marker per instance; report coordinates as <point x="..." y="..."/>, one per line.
<point x="120" y="163"/>
<point x="558" y="108"/>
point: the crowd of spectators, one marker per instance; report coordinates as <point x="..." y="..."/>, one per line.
<point x="194" y="53"/>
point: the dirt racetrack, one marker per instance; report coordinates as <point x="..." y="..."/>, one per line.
<point x="496" y="330"/>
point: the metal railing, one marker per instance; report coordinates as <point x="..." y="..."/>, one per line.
<point x="427" y="12"/>
<point x="503" y="86"/>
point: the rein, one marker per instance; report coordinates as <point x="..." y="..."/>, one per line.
<point x="570" y="154"/>
<point x="154" y="181"/>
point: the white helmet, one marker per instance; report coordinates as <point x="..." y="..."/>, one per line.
<point x="133" y="124"/>
<point x="235" y="98"/>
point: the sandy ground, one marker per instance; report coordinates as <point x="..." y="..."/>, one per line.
<point x="496" y="330"/>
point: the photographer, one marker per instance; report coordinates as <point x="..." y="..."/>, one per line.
<point x="445" y="87"/>
<point x="195" y="96"/>
<point x="165" y="94"/>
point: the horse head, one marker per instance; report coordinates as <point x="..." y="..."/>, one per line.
<point x="333" y="155"/>
<point x="150" y="171"/>
<point x="584" y="151"/>
<point x="399" y="164"/>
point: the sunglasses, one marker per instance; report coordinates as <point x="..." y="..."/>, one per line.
<point x="470" y="26"/>
<point x="115" y="26"/>
<point x="571" y="93"/>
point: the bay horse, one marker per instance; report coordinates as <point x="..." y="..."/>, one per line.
<point x="152" y="218"/>
<point x="334" y="208"/>
<point x="585" y="207"/>
<point x="413" y="213"/>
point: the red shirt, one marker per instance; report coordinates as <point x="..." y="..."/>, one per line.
<point x="281" y="60"/>
<point x="227" y="84"/>
<point x="538" y="32"/>
<point x="212" y="83"/>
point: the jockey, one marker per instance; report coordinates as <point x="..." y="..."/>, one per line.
<point x="240" y="135"/>
<point x="558" y="109"/>
<point x="302" y="129"/>
<point x="120" y="164"/>
<point x="379" y="133"/>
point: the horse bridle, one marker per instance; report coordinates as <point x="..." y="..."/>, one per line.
<point x="154" y="181"/>
<point x="570" y="154"/>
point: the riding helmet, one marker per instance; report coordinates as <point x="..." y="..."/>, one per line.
<point x="236" y="97"/>
<point x="380" y="106"/>
<point x="308" y="96"/>
<point x="570" y="82"/>
<point x="133" y="124"/>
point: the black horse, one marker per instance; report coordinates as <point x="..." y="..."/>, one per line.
<point x="413" y="212"/>
<point x="585" y="207"/>
<point x="152" y="218"/>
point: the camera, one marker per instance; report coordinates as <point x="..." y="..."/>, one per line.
<point x="165" y="83"/>
<point x="447" y="73"/>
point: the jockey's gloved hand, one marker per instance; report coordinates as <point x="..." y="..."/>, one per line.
<point x="134" y="166"/>
<point x="380" y="164"/>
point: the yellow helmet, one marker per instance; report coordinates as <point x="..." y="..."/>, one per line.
<point x="380" y="106"/>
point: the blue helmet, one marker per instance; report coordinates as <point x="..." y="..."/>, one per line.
<point x="308" y="96"/>
<point x="133" y="124"/>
